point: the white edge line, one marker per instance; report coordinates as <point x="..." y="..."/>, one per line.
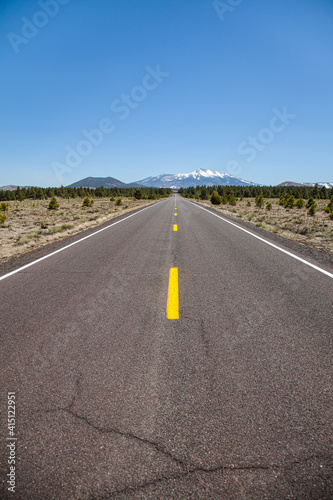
<point x="74" y="243"/>
<point x="265" y="241"/>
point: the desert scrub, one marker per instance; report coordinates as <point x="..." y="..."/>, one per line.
<point x="87" y="202"/>
<point x="59" y="229"/>
<point x="3" y="218"/>
<point x="21" y="240"/>
<point x="119" y="202"/>
<point x="4" y="207"/>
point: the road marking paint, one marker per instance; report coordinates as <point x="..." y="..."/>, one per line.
<point x="330" y="275"/>
<point x="173" y="299"/>
<point x="75" y="242"/>
<point x="175" y="227"/>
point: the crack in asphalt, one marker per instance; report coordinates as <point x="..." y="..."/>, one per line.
<point x="128" y="435"/>
<point x="231" y="467"/>
<point x="188" y="468"/>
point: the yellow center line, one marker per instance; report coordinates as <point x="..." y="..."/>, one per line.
<point x="173" y="300"/>
<point x="176" y="214"/>
<point x="175" y="227"/>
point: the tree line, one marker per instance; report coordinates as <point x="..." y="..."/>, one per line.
<point x="38" y="193"/>
<point x="299" y="192"/>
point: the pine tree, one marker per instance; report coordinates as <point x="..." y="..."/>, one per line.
<point x="215" y="198"/>
<point x="260" y="200"/>
<point x="53" y="205"/>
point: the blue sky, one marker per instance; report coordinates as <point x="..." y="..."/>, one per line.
<point x="144" y="87"/>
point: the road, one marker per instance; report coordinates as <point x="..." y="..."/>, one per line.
<point x="113" y="399"/>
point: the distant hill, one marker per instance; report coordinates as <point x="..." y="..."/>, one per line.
<point x="328" y="185"/>
<point x="107" y="182"/>
<point x="12" y="187"/>
<point x="196" y="178"/>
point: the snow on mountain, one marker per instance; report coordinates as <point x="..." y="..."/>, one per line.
<point x="197" y="177"/>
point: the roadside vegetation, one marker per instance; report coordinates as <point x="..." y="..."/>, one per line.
<point x="37" y="193"/>
<point x="30" y="218"/>
<point x="304" y="214"/>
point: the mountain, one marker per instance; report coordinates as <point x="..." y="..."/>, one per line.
<point x="328" y="185"/>
<point x="197" y="178"/>
<point x="107" y="182"/>
<point x="12" y="187"/>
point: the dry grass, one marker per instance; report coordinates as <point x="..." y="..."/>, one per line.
<point x="30" y="224"/>
<point x="292" y="223"/>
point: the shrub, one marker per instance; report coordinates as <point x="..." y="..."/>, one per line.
<point x="260" y="200"/>
<point x="4" y="207"/>
<point x="112" y="198"/>
<point x="312" y="209"/>
<point x="3" y="217"/>
<point x="43" y="225"/>
<point x="268" y="206"/>
<point x="311" y="202"/>
<point x="300" y="203"/>
<point x="87" y="202"/>
<point x="232" y="200"/>
<point x="215" y="198"/>
<point x="53" y="205"/>
<point x="119" y="202"/>
<point x="248" y="203"/>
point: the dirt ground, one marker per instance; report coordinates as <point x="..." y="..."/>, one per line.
<point x="293" y="223"/>
<point x="30" y="224"/>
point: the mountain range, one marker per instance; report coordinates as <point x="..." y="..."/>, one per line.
<point x="198" y="177"/>
<point x="173" y="181"/>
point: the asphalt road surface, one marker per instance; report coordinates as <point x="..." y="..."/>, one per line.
<point x="113" y="399"/>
